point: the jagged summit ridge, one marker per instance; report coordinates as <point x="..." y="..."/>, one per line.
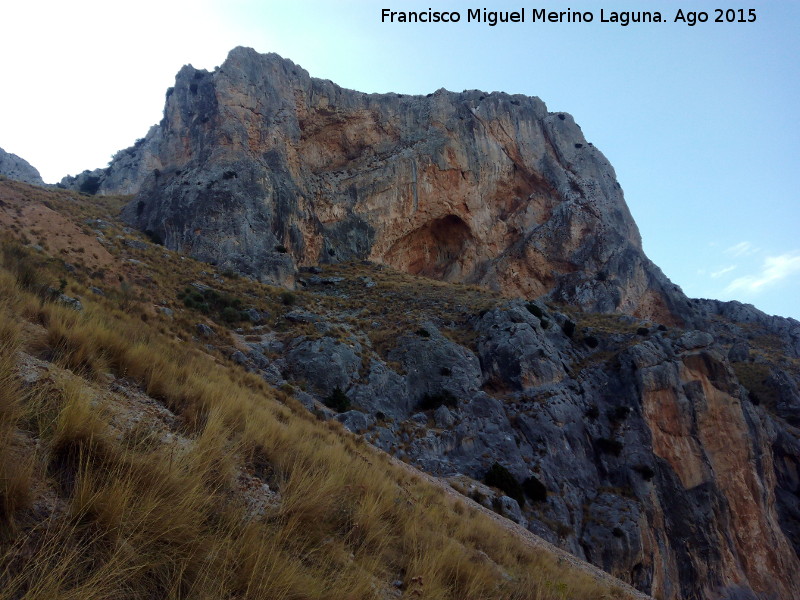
<point x="261" y="168"/>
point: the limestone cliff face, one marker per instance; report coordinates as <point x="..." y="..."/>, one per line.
<point x="720" y="500"/>
<point x="471" y="187"/>
<point x="669" y="455"/>
<point x="19" y="169"/>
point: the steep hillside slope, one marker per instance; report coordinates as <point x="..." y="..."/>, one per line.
<point x="627" y="442"/>
<point x="137" y="461"/>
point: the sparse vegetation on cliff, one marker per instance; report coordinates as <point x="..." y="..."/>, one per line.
<point x="134" y="464"/>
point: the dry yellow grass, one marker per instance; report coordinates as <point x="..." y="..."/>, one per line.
<point x="109" y="508"/>
<point x="15" y="467"/>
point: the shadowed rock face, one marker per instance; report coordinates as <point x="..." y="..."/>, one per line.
<point x="471" y="187"/>
<point x="655" y="461"/>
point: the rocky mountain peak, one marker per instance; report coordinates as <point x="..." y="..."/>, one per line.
<point x="260" y="168"/>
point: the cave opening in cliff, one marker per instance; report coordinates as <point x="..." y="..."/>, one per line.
<point x="437" y="249"/>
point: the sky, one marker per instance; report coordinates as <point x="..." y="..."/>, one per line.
<point x="700" y="122"/>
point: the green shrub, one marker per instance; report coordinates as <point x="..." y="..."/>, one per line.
<point x="191" y="298"/>
<point x="230" y="315"/>
<point x="423" y="332"/>
<point x="288" y="298"/>
<point x="222" y="306"/>
<point x="500" y="477"/>
<point x="337" y="400"/>
<point x="759" y="383"/>
<point x="213" y="296"/>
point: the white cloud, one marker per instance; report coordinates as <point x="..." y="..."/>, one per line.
<point x="723" y="271"/>
<point x="742" y="249"/>
<point x="774" y="269"/>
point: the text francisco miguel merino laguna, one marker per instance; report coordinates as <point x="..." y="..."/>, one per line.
<point x="541" y="15"/>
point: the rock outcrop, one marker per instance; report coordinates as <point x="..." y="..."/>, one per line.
<point x="19" y="169"/>
<point x="260" y="168"/>
<point x="653" y="456"/>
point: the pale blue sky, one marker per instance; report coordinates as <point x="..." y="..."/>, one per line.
<point x="701" y="123"/>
